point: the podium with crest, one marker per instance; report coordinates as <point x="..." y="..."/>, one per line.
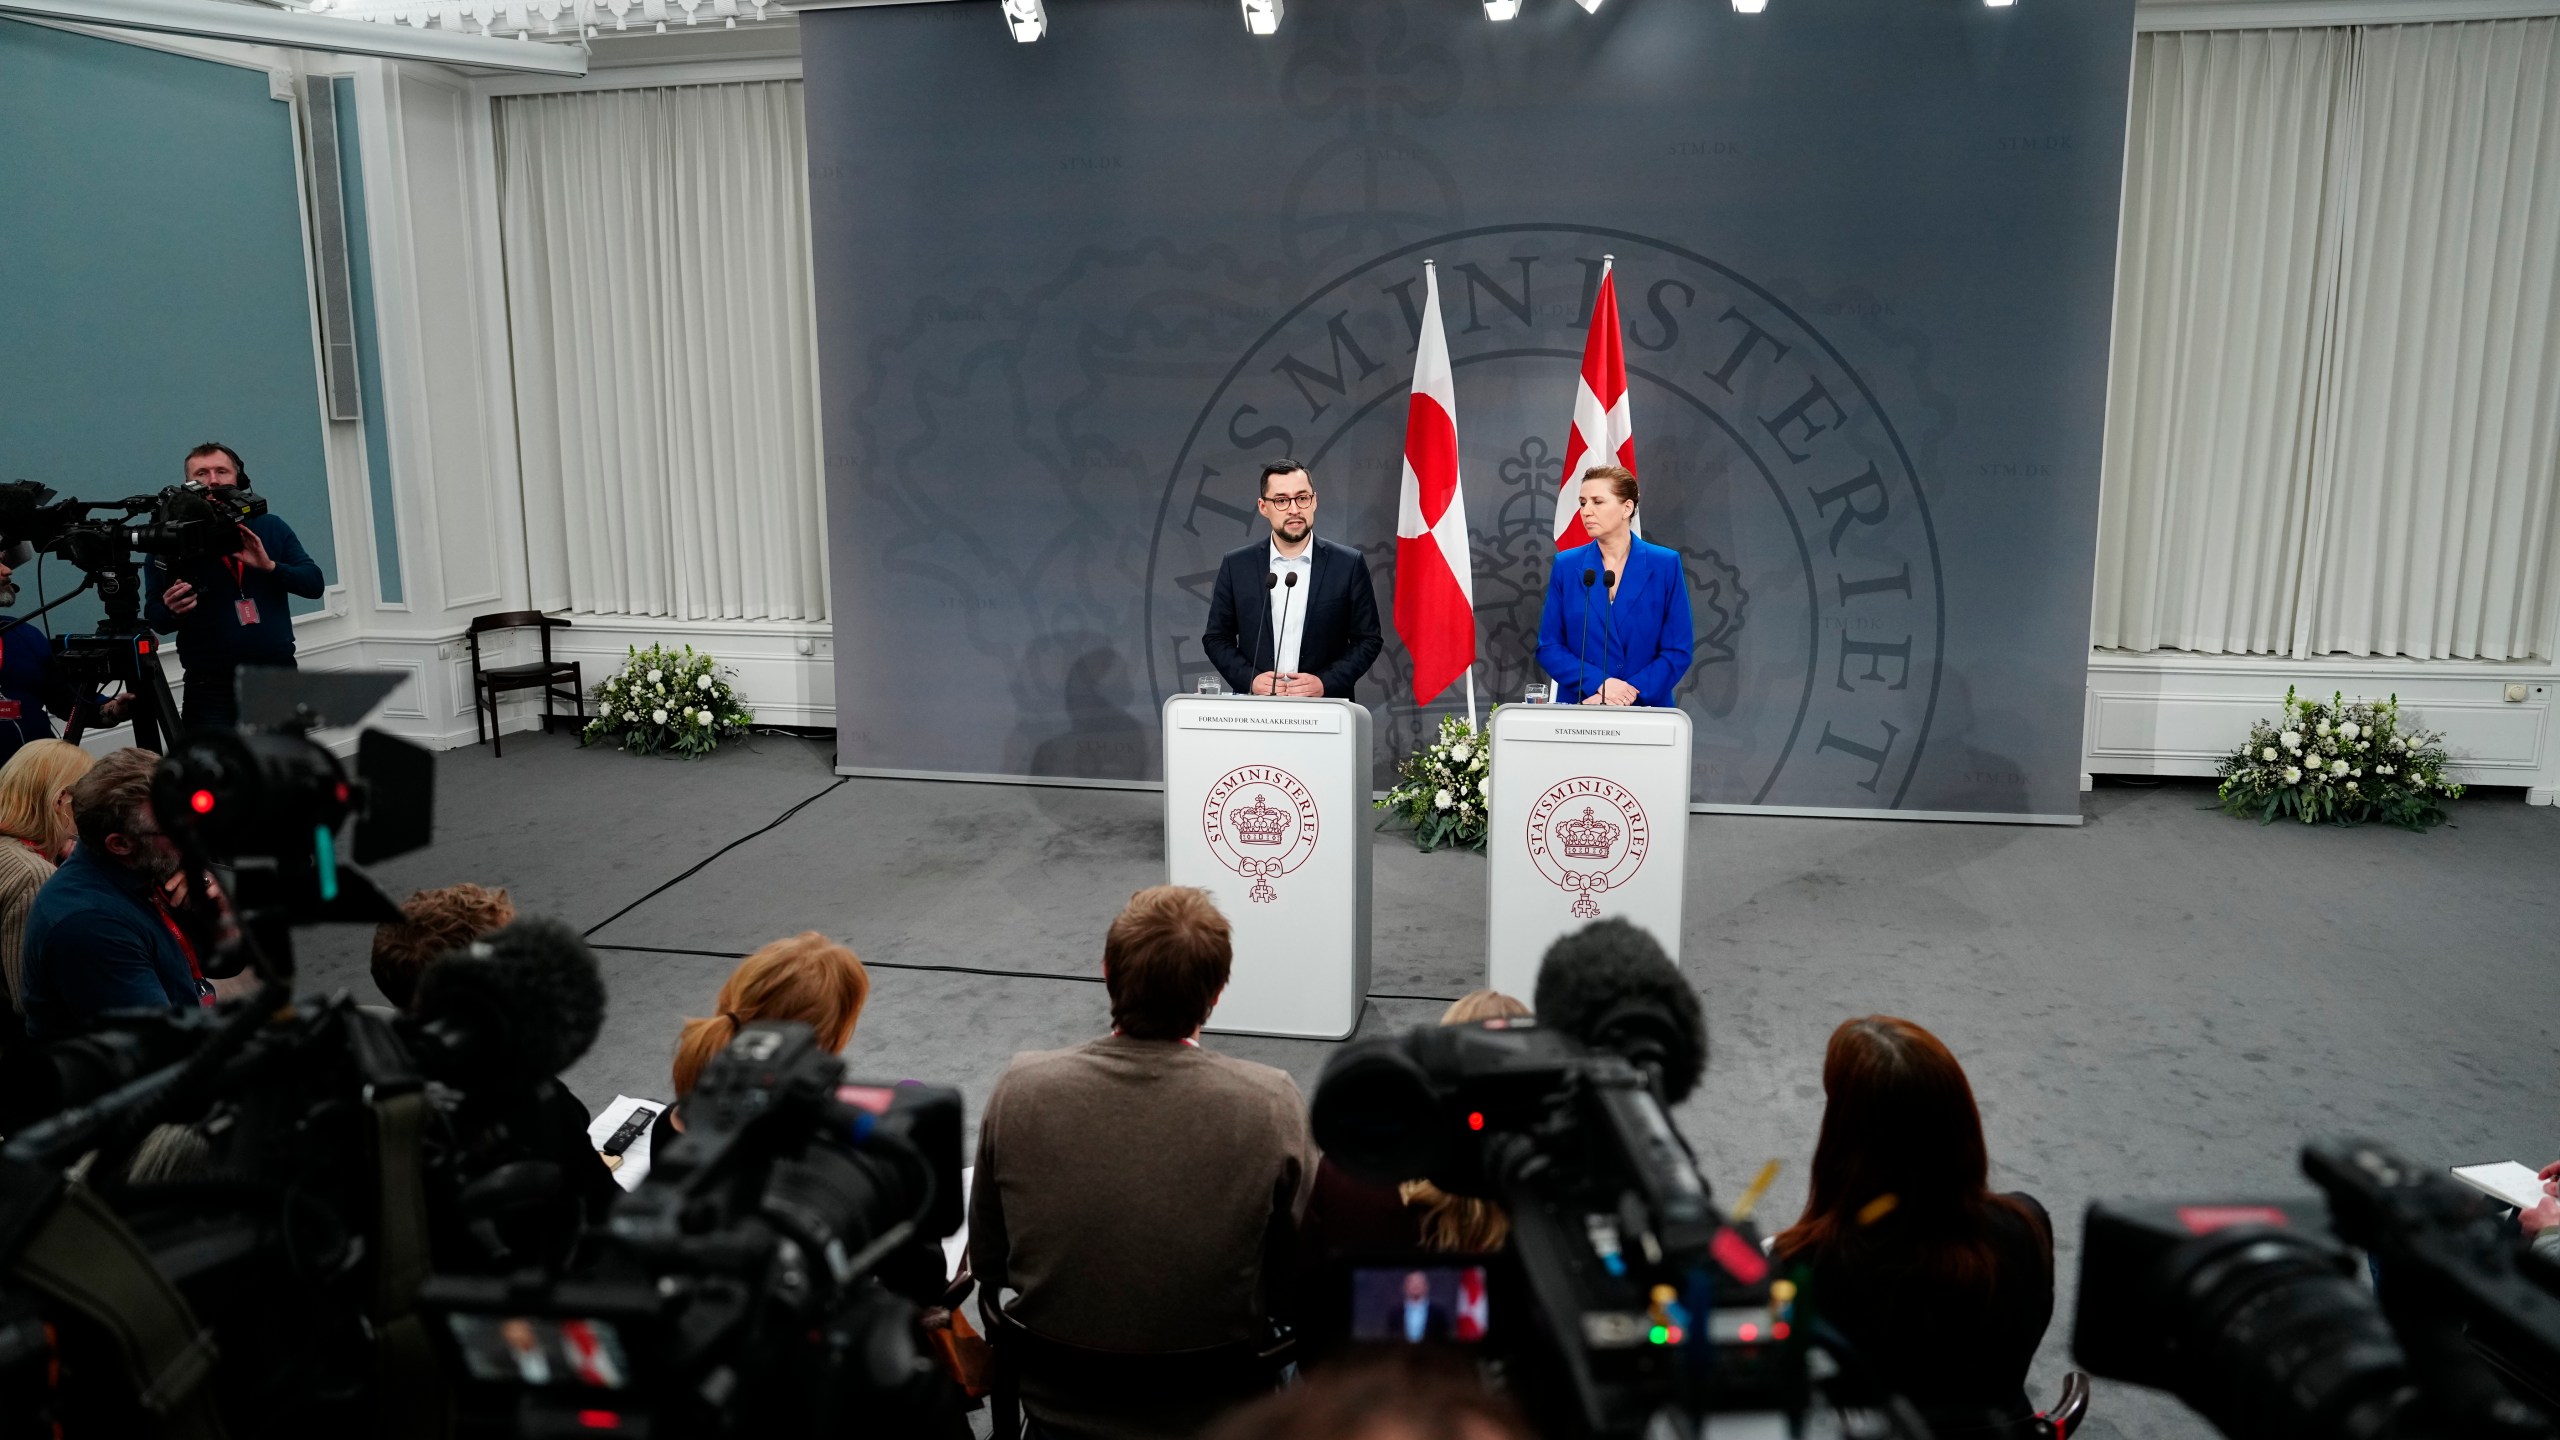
<point x="1266" y="807"/>
<point x="1589" y="818"/>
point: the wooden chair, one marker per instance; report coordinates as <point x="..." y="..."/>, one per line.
<point x="546" y="675"/>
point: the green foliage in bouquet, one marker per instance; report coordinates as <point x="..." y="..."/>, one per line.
<point x="1444" y="789"/>
<point x="2340" y="763"/>
<point x="666" y="699"/>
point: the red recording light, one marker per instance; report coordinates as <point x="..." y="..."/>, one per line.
<point x="1475" y="1119"/>
<point x="600" y="1419"/>
<point x="201" y="802"/>
<point x="1778" y="1330"/>
<point x="1749" y="1333"/>
<point x="342" y="792"/>
<point x="142" y="647"/>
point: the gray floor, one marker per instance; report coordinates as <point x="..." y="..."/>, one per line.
<point x="2163" y="1002"/>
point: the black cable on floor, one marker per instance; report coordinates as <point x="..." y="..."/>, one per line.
<point x="940" y="969"/>
<point x="707" y="859"/>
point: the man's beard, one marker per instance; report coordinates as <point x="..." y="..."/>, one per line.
<point x="8" y="593"/>
<point x="1294" y="529"/>
<point x="154" y="864"/>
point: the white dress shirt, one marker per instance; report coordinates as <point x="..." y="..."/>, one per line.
<point x="1289" y="607"/>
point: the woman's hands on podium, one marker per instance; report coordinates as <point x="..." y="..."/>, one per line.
<point x="1308" y="686"/>
<point x="1612" y="692"/>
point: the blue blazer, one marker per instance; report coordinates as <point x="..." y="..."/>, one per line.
<point x="1644" y="637"/>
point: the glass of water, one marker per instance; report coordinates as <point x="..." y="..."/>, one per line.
<point x="1209" y="685"/>
<point x="1539" y="692"/>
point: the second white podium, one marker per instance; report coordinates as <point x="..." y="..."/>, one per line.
<point x="1266" y="807"/>
<point x="1590" y="818"/>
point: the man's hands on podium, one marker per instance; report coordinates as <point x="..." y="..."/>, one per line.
<point x="1612" y="692"/>
<point x="1270" y="683"/>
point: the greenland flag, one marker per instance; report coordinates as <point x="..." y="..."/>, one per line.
<point x="1435" y="573"/>
<point x="1602" y="431"/>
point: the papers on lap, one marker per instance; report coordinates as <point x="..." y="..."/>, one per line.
<point x="2516" y="1186"/>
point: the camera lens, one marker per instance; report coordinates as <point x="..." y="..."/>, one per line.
<point x="2281" y="1344"/>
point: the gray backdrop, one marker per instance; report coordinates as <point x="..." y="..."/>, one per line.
<point x="1071" y="294"/>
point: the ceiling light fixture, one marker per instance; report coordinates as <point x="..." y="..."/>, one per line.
<point x="1026" y="19"/>
<point x="1749" y="7"/>
<point x="1589" y="7"/>
<point x="1262" y="17"/>
<point x="1501" y="9"/>
<point x="1999" y="4"/>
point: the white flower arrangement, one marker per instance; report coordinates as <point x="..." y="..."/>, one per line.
<point x="1445" y="789"/>
<point x="2304" y="765"/>
<point x="665" y="699"/>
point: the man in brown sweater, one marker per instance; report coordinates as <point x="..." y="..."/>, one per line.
<point x="1137" y="1190"/>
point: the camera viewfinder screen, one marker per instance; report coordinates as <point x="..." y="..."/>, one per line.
<point x="1420" y="1304"/>
<point x="542" y="1350"/>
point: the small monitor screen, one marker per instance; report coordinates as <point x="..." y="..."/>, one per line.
<point x="542" y="1350"/>
<point x="1420" y="1304"/>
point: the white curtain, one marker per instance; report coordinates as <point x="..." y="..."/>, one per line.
<point x="2336" y="381"/>
<point x="659" y="302"/>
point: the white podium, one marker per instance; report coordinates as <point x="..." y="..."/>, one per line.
<point x="1266" y="807"/>
<point x="1590" y="818"/>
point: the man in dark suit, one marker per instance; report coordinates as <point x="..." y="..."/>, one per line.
<point x="1293" y="615"/>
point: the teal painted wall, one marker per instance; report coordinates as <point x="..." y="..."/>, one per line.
<point x="153" y="292"/>
<point x="377" y="439"/>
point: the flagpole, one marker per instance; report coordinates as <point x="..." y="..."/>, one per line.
<point x="1471" y="697"/>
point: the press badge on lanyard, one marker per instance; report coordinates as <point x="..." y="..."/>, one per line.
<point x="246" y="609"/>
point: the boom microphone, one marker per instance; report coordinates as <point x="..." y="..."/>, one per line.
<point x="515" y="1007"/>
<point x="1610" y="986"/>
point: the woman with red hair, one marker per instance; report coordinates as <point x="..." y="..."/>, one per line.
<point x="1944" y="1287"/>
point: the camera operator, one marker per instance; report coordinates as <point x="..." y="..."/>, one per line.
<point x="100" y="936"/>
<point x="33" y="690"/>
<point x="231" y="611"/>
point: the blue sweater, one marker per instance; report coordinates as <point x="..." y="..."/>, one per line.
<point x="211" y="633"/>
<point x="26" y="680"/>
<point x="96" y="941"/>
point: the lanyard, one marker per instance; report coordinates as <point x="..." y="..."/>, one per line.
<point x="186" y="947"/>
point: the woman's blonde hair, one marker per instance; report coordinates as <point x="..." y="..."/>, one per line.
<point x="30" y="783"/>
<point x="1463" y="1224"/>
<point x="808" y="978"/>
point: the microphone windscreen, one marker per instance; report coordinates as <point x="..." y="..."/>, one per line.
<point x="22" y="553"/>
<point x="1292" y="581"/>
<point x="1588" y="576"/>
<point x="1271" y="579"/>
<point x="1609" y="575"/>
<point x="1610" y="986"/>
<point x="528" y="999"/>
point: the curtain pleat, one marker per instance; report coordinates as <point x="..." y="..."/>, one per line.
<point x="2336" y="379"/>
<point x="659" y="303"/>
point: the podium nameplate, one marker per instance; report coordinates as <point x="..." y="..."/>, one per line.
<point x="1281" y="718"/>
<point x="1562" y="725"/>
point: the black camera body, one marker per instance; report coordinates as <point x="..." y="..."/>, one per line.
<point x="2255" y="1312"/>
<point x="1643" y="1301"/>
<point x="181" y="522"/>
<point x="764" y="1278"/>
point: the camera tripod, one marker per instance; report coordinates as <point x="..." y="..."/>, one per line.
<point x="124" y="649"/>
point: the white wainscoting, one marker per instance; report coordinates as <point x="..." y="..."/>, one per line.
<point x="2176" y="714"/>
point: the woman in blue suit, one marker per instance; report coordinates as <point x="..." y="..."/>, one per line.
<point x="1640" y="638"/>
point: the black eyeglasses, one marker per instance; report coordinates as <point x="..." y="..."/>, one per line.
<point x="1306" y="501"/>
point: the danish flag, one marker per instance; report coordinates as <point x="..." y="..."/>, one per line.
<point x="1435" y="570"/>
<point x="1602" y="431"/>
<point x="1474" y="1315"/>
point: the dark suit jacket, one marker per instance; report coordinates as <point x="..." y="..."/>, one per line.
<point x="1341" y="639"/>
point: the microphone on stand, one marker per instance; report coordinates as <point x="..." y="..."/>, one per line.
<point x="1269" y="579"/>
<point x="1287" y="585"/>
<point x="1582" y="653"/>
<point x="1608" y="629"/>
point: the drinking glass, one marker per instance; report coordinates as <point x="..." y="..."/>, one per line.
<point x="1539" y="692"/>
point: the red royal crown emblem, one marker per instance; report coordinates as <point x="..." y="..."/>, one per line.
<point x="1589" y="838"/>
<point x="1260" y="821"/>
<point x="1259" y="824"/>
